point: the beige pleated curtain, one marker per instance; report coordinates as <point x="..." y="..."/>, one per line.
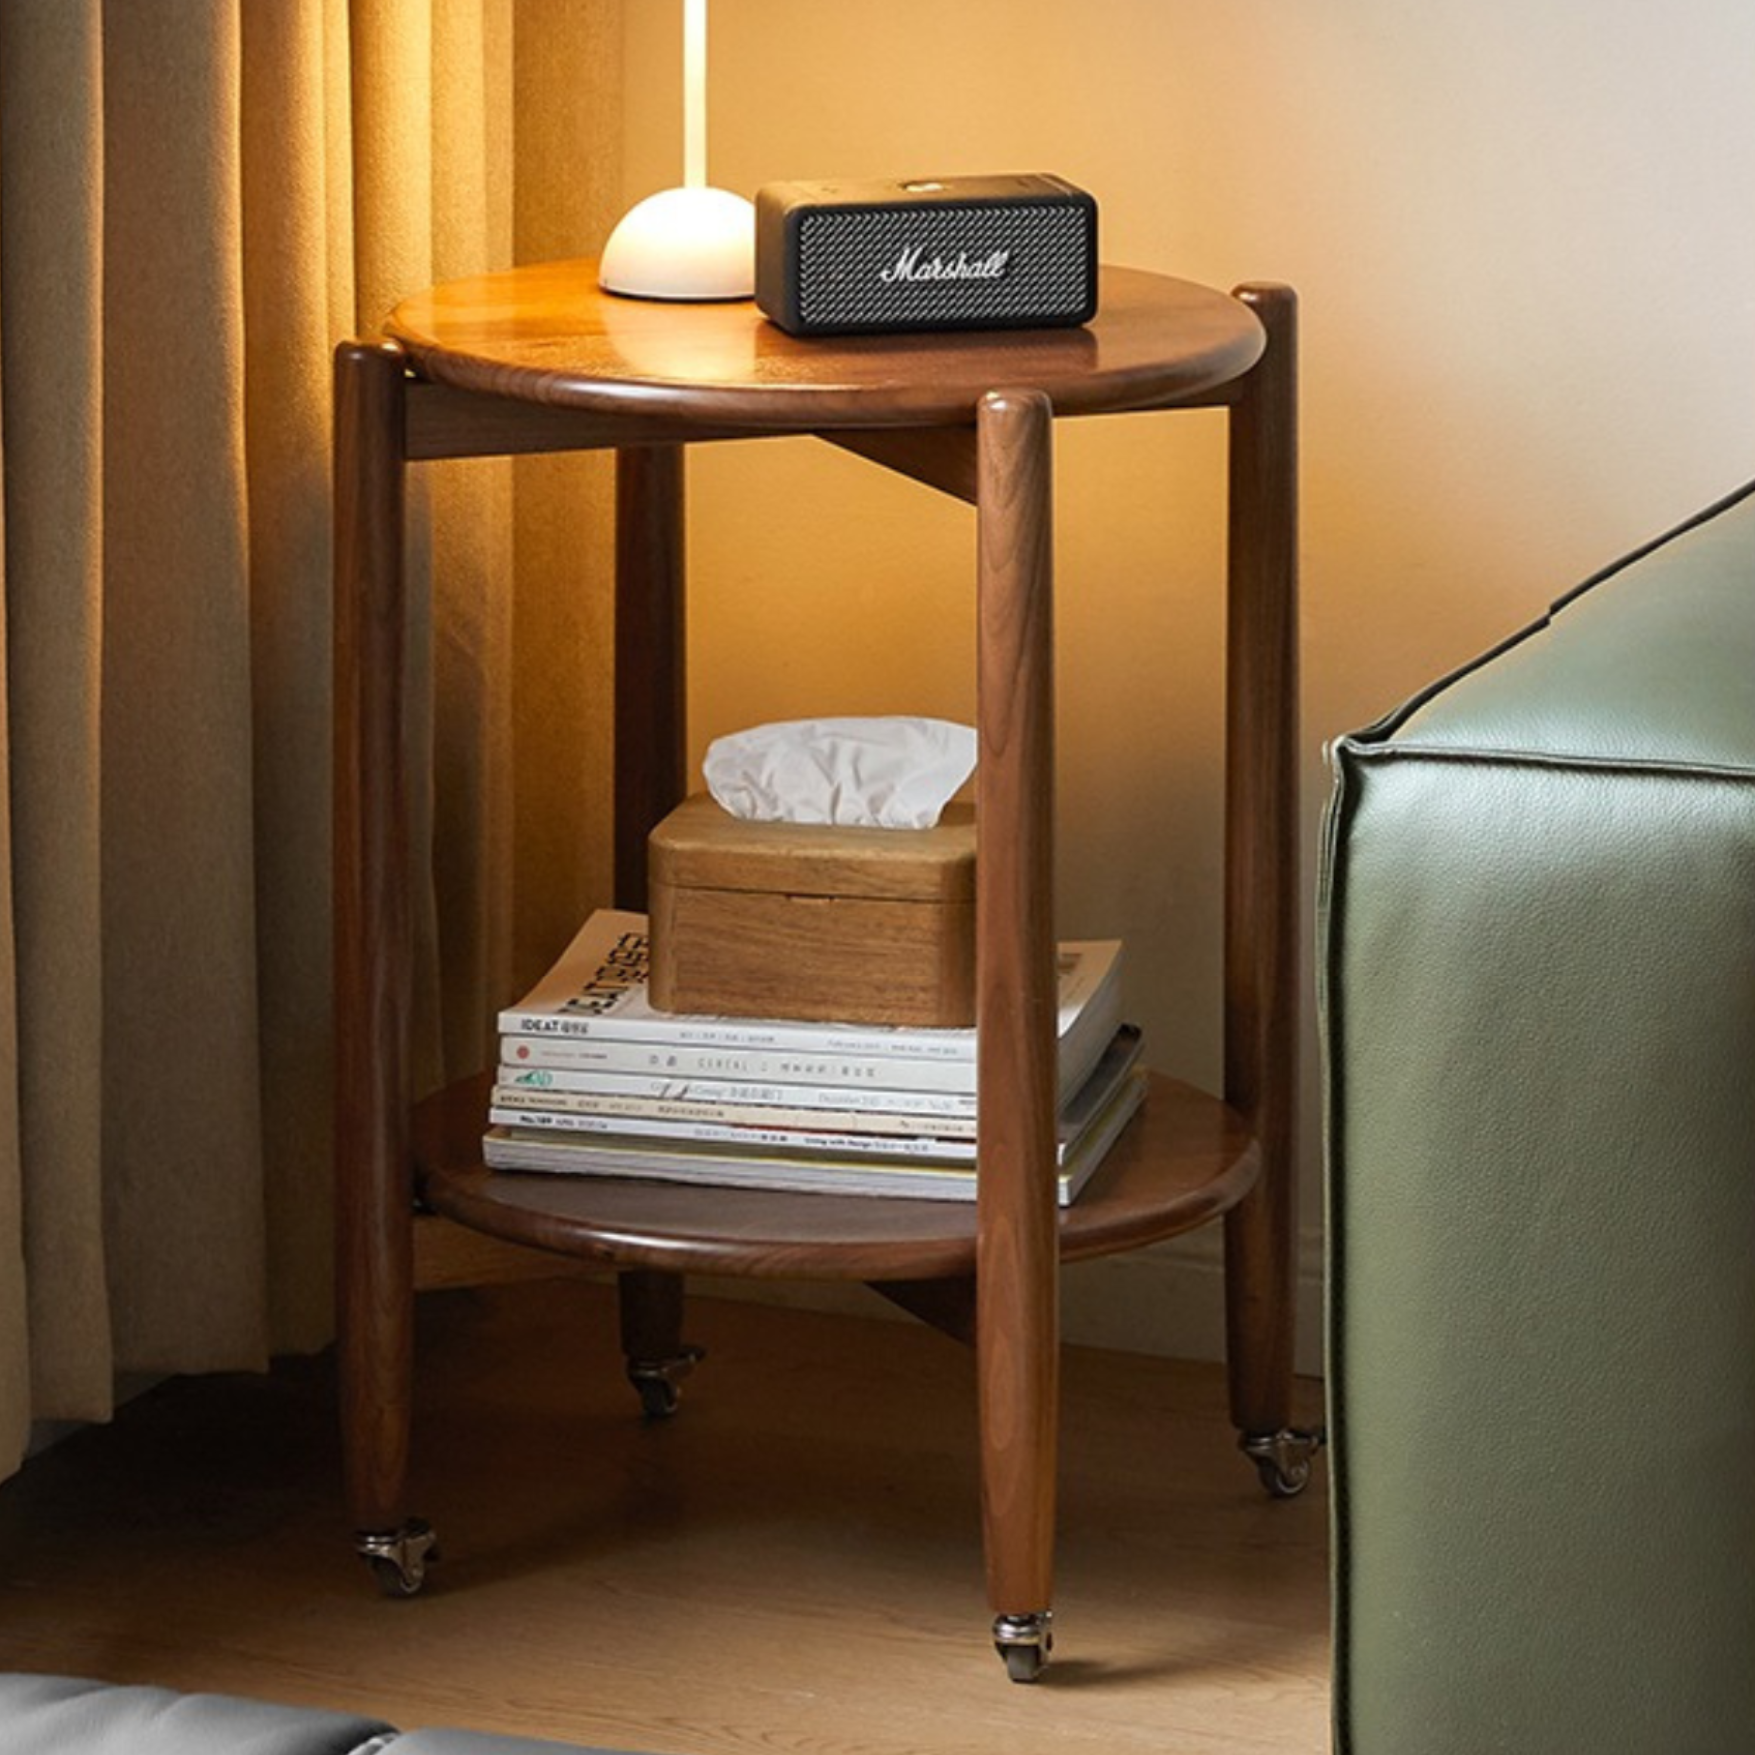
<point x="198" y="198"/>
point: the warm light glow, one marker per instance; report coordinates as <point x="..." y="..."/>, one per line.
<point x="694" y="94"/>
<point x="694" y="242"/>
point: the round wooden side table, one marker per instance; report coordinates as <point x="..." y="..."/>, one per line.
<point x="538" y="359"/>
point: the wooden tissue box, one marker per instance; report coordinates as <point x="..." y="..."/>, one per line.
<point x="804" y="920"/>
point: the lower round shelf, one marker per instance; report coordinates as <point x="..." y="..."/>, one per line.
<point x="1183" y="1160"/>
<point x="1180" y="1162"/>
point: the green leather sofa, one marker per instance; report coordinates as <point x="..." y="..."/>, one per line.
<point x="1538" y="1008"/>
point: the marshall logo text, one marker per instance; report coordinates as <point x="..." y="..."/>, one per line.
<point x="914" y="265"/>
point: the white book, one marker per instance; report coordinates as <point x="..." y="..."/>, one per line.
<point x="596" y="993"/>
<point x="531" y="1082"/>
<point x="807" y="1141"/>
<point x="853" y="1128"/>
<point x="861" y="1072"/>
<point x="914" y="1179"/>
<point x="524" y="1105"/>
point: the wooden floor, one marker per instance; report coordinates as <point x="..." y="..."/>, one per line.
<point x="791" y="1564"/>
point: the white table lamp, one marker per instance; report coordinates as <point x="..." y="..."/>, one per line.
<point x="694" y="242"/>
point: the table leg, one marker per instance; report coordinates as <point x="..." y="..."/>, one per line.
<point x="650" y="678"/>
<point x="1262" y="957"/>
<point x="658" y="1357"/>
<point x="651" y="720"/>
<point x="373" y="957"/>
<point x="1017" y="1250"/>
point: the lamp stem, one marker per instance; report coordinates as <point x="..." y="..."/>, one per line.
<point x="694" y="94"/>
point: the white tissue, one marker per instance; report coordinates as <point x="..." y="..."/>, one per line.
<point x="890" y="773"/>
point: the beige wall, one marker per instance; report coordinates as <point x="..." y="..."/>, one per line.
<point x="1520" y="235"/>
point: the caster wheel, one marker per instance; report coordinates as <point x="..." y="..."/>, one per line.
<point x="1281" y="1483"/>
<point x="393" y="1580"/>
<point x="398" y="1562"/>
<point x="659" y="1397"/>
<point x="658" y="1382"/>
<point x="1283" y="1459"/>
<point x="1024" y="1643"/>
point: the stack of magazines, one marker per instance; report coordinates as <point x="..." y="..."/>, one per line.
<point x="595" y="1081"/>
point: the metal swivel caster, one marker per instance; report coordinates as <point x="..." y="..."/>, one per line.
<point x="657" y="1381"/>
<point x="1024" y="1643"/>
<point x="398" y="1560"/>
<point x="1282" y="1459"/>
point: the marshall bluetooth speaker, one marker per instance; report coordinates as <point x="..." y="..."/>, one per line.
<point x="1010" y="252"/>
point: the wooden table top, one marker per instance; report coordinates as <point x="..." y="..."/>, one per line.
<point x="547" y="334"/>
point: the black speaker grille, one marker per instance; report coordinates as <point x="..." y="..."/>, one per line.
<point x="843" y="256"/>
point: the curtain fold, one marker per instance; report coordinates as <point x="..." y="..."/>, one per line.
<point x="198" y="199"/>
<point x="298" y="294"/>
<point x="180" y="1105"/>
<point x="51" y="322"/>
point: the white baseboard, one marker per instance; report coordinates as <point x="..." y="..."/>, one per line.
<point x="1170" y="1300"/>
<point x="1167" y="1300"/>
